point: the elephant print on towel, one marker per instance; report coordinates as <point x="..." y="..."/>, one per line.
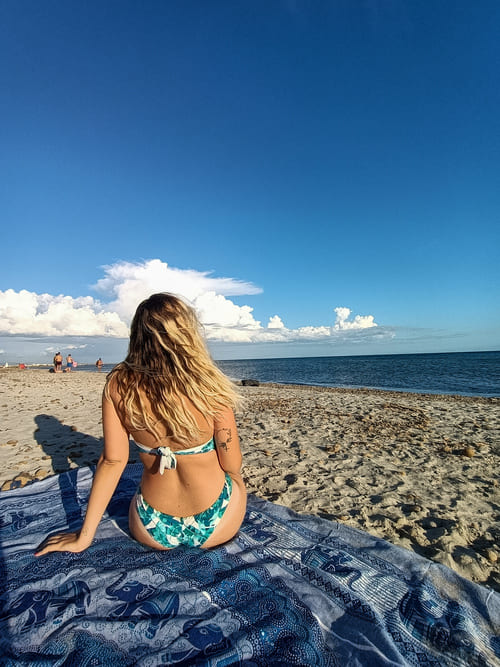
<point x="443" y="626"/>
<point x="19" y="520"/>
<point x="33" y="607"/>
<point x="138" y="601"/>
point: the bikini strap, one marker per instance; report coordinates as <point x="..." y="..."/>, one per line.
<point x="200" y="449"/>
<point x="168" y="458"/>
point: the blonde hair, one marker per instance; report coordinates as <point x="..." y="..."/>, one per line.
<point x="167" y="359"/>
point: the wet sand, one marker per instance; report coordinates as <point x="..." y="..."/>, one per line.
<point x="421" y="471"/>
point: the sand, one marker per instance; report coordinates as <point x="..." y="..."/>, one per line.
<point x="421" y="471"/>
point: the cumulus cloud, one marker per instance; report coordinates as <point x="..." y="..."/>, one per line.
<point x="275" y="322"/>
<point x="125" y="284"/>
<point x="128" y="283"/>
<point x="359" y="322"/>
<point x="215" y="310"/>
<point x="46" y="315"/>
<point x="276" y="331"/>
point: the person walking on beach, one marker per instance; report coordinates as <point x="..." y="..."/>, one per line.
<point x="178" y="407"/>
<point x="99" y="364"/>
<point x="58" y="362"/>
<point x="69" y="363"/>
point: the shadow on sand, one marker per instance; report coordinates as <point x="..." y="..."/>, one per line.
<point x="64" y="445"/>
<point x="69" y="448"/>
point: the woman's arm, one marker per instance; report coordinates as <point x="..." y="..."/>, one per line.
<point x="110" y="467"/>
<point x="228" y="443"/>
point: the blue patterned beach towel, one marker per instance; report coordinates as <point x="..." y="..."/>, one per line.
<point x="288" y="590"/>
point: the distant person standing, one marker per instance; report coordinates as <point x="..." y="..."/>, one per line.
<point x="58" y="360"/>
<point x="99" y="364"/>
<point x="69" y="363"/>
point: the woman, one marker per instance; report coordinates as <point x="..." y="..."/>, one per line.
<point x="178" y="407"/>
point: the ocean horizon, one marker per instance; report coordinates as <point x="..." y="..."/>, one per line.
<point x="460" y="373"/>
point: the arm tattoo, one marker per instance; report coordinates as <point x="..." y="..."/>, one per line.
<point x="224" y="438"/>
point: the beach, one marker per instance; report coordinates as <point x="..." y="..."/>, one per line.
<point x="418" y="470"/>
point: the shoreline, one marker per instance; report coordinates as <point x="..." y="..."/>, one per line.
<point x="420" y="470"/>
<point x="379" y="390"/>
<point x="394" y="390"/>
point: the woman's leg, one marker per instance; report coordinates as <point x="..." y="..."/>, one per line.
<point x="231" y="521"/>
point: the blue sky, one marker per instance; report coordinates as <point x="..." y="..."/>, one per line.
<point x="337" y="162"/>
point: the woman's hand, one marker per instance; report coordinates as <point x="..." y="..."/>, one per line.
<point x="73" y="542"/>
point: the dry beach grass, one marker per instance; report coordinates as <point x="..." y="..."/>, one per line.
<point x="419" y="470"/>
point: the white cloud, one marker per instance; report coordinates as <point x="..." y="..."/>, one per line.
<point x="215" y="310"/>
<point x="359" y="322"/>
<point x="67" y="346"/>
<point x="125" y="284"/>
<point x="313" y="332"/>
<point x="43" y="314"/>
<point x="129" y="283"/>
<point x="275" y="322"/>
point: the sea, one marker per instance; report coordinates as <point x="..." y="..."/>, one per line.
<point x="461" y="373"/>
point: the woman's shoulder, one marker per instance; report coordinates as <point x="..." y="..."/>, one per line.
<point x="113" y="387"/>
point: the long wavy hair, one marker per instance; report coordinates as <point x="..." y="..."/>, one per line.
<point x="167" y="360"/>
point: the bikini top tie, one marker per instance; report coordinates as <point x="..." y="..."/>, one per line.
<point x="168" y="459"/>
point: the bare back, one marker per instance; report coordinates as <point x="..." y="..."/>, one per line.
<point x="197" y="480"/>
